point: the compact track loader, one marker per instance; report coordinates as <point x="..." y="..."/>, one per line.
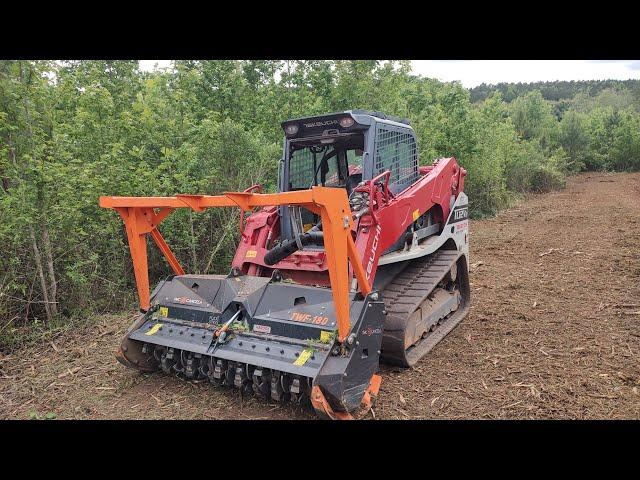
<point x="361" y="256"/>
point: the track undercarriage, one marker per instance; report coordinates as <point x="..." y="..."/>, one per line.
<point x="424" y="303"/>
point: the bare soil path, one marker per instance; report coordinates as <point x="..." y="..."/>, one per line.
<point x="554" y="332"/>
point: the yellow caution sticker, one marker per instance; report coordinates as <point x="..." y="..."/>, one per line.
<point x="304" y="356"/>
<point x="154" y="329"/>
<point x="164" y="311"/>
<point x="325" y="336"/>
<point x="251" y="254"/>
<point x="416" y="214"/>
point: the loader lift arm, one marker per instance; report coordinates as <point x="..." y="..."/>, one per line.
<point x="140" y="218"/>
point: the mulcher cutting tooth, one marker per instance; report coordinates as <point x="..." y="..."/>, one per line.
<point x="280" y="386"/>
<point x="230" y="374"/>
<point x="158" y="351"/>
<point x="300" y="389"/>
<point x="192" y="365"/>
<point x="204" y="369"/>
<point x="262" y="382"/>
<point x="285" y="382"/>
<point x="217" y="367"/>
<point x="242" y="380"/>
<point x="179" y="365"/>
<point x="295" y="386"/>
<point x="167" y="361"/>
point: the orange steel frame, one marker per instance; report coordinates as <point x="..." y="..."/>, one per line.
<point x="140" y="218"/>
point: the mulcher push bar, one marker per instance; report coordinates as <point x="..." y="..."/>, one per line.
<point x="140" y="218"/>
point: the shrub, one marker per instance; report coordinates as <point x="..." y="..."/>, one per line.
<point x="545" y="178"/>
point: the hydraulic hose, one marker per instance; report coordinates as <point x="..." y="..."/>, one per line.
<point x="286" y="248"/>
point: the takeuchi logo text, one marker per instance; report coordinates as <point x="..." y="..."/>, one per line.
<point x="460" y="214"/>
<point x="321" y="123"/>
<point x="374" y="247"/>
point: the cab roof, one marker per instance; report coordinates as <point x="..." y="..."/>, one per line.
<point x="359" y="115"/>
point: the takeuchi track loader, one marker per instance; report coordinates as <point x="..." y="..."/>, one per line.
<point x="362" y="256"/>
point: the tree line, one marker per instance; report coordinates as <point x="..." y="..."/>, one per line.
<point x="72" y="131"/>
<point x="554" y="91"/>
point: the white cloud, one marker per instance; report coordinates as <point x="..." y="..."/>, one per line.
<point x="474" y="72"/>
<point x="150" y="65"/>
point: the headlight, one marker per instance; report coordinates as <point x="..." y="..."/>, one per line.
<point x="291" y="129"/>
<point x="346" y="122"/>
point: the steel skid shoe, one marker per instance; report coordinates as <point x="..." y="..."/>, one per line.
<point x="324" y="410"/>
<point x="135" y="355"/>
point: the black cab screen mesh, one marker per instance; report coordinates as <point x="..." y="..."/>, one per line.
<point x="396" y="151"/>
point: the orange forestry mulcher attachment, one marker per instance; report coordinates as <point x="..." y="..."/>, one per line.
<point x="143" y="215"/>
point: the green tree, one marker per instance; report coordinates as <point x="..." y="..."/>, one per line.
<point x="533" y="118"/>
<point x="574" y="139"/>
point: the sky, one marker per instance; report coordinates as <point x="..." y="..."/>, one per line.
<point x="474" y="72"/>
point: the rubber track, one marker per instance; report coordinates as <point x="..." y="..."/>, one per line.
<point x="405" y="294"/>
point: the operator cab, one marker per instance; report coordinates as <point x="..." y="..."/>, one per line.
<point x="341" y="150"/>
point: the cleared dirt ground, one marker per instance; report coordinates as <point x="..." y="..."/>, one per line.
<point x="554" y="332"/>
